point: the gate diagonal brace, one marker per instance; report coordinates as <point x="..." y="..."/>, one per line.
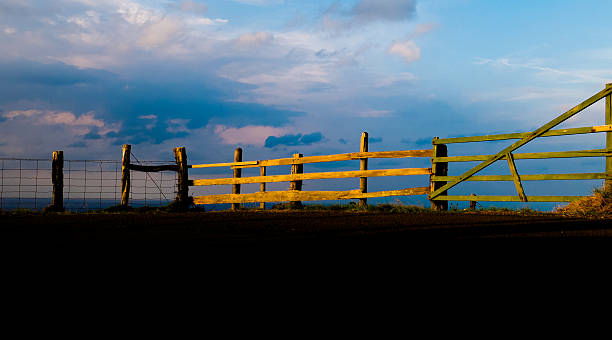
<point x="516" y="177"/>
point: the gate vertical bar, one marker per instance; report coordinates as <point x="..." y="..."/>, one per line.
<point x="608" y="120"/>
<point x="363" y="181"/>
<point x="438" y="169"/>
<point x="125" y="175"/>
<point x="296" y="185"/>
<point x="57" y="177"/>
<point x="237" y="174"/>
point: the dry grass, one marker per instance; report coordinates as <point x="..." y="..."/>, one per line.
<point x="597" y="206"/>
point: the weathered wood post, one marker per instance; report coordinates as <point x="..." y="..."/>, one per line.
<point x="438" y="169"/>
<point x="182" y="194"/>
<point x="57" y="177"/>
<point x="608" y="120"/>
<point x="473" y="203"/>
<point x="296" y="185"/>
<point x="237" y="174"/>
<point x="262" y="186"/>
<point x="363" y="181"/>
<point x="125" y="175"/>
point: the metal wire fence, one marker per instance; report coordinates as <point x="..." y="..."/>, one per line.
<point x="88" y="184"/>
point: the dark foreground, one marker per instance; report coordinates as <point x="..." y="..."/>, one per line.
<point x="289" y="228"/>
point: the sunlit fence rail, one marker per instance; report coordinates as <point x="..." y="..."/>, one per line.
<point x="87" y="184"/>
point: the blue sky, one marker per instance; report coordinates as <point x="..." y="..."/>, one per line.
<point x="280" y="76"/>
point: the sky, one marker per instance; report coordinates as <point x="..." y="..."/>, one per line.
<point x="277" y="77"/>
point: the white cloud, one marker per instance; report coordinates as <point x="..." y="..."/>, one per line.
<point x="395" y="78"/>
<point x="136" y="14"/>
<point x="24" y="113"/>
<point x="89" y="19"/>
<point x="152" y="121"/>
<point x="177" y="125"/>
<point x="261" y="2"/>
<point x="192" y="6"/>
<point x="408" y="50"/>
<point x="248" y="135"/>
<point x="148" y="117"/>
<point x="159" y="32"/>
<point x="423" y="28"/>
<point x="9" y="30"/>
<point x="598" y="76"/>
<point x="253" y="39"/>
<point x="57" y="117"/>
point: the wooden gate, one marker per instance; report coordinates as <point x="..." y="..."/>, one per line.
<point x="442" y="183"/>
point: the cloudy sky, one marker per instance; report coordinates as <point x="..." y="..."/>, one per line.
<point x="280" y="76"/>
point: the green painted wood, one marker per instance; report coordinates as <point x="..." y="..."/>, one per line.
<point x="516" y="178"/>
<point x="520" y="135"/>
<point x="531" y="155"/>
<point x="608" y="120"/>
<point x="544" y="177"/>
<point x="486" y="198"/>
<point x="544" y="128"/>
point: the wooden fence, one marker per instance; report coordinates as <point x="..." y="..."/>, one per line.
<point x="439" y="180"/>
<point x="295" y="194"/>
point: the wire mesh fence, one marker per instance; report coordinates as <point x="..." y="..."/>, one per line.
<point x="88" y="184"/>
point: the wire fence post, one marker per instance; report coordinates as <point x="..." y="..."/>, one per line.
<point x="182" y="195"/>
<point x="125" y="175"/>
<point x="57" y="177"/>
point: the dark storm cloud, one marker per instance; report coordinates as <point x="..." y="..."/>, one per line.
<point x="185" y="95"/>
<point x="294" y="140"/>
<point x="32" y="73"/>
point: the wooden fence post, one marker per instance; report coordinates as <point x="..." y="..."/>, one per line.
<point x="237" y="174"/>
<point x="57" y="177"/>
<point x="125" y="175"/>
<point x="473" y="203"/>
<point x="296" y="185"/>
<point x="363" y="181"/>
<point x="438" y="169"/>
<point x="608" y="120"/>
<point x="182" y="195"/>
<point x="262" y="186"/>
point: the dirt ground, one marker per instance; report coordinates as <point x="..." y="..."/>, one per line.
<point x="290" y="228"/>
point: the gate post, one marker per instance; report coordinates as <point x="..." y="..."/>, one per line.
<point x="438" y="169"/>
<point x="608" y="120"/>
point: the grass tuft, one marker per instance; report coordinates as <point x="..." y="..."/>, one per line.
<point x="597" y="206"/>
